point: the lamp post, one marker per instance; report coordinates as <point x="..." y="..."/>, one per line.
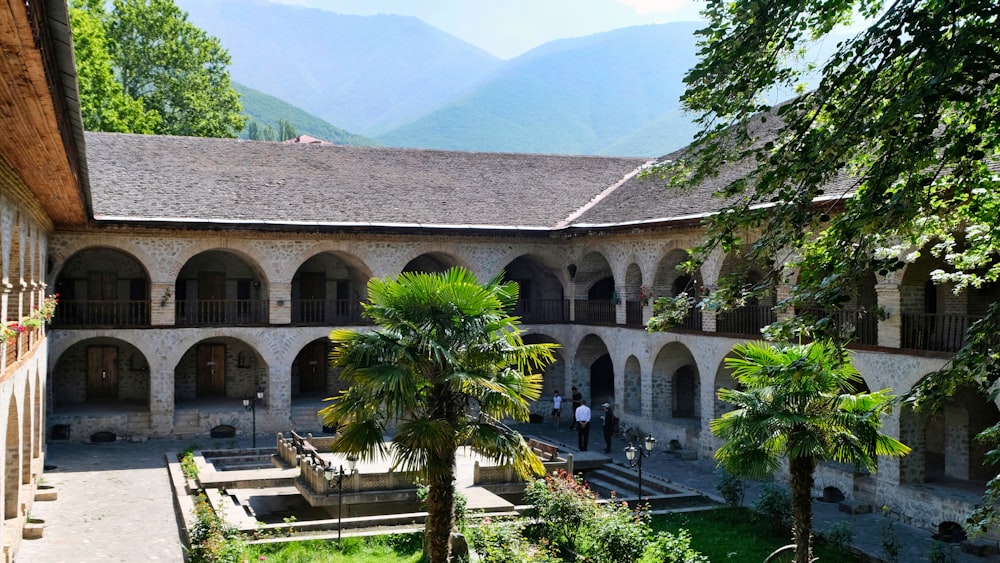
<point x="251" y="405"/>
<point x="635" y="455"/>
<point x="331" y="475"/>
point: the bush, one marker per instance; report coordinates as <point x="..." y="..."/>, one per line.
<point x="461" y="503"/>
<point x="732" y="489"/>
<point x="619" y="534"/>
<point x="211" y="539"/>
<point x="671" y="548"/>
<point x="563" y="505"/>
<point x="502" y="541"/>
<point x="775" y="506"/>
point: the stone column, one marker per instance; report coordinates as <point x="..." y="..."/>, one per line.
<point x="280" y="304"/>
<point x="890" y="329"/>
<point x="781" y="292"/>
<point x="161" y="400"/>
<point x="279" y="398"/>
<point x="162" y="305"/>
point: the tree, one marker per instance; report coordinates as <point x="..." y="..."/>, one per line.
<point x="104" y="103"/>
<point x="799" y="402"/>
<point x="173" y="68"/>
<point x="444" y="365"/>
<point x="900" y="135"/>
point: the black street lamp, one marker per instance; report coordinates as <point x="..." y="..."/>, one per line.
<point x="331" y="475"/>
<point x="635" y="455"/>
<point x="251" y="405"/>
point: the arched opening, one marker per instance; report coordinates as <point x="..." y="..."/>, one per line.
<point x="431" y="263"/>
<point x="102" y="287"/>
<point x="636" y="295"/>
<point x="595" y="279"/>
<point x="669" y="281"/>
<point x="540" y="292"/>
<point x="676" y="384"/>
<point x="590" y="352"/>
<point x="101" y="375"/>
<point x="602" y="381"/>
<point x="757" y="309"/>
<point x="553" y="379"/>
<point x="632" y="387"/>
<point x="685" y="392"/>
<point x="855" y="319"/>
<point x="220" y="288"/>
<point x="26" y="438"/>
<point x="211" y="373"/>
<point x="327" y="289"/>
<point x="38" y="416"/>
<point x="12" y="464"/>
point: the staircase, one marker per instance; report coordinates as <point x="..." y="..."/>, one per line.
<point x="662" y="497"/>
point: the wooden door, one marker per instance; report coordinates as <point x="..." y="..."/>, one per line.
<point x="211" y="370"/>
<point x="312" y="368"/>
<point x="102" y="373"/>
<point x="211" y="297"/>
<point x="312" y="290"/>
<point x="102" y="292"/>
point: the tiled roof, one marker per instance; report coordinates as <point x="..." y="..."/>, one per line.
<point x="163" y="178"/>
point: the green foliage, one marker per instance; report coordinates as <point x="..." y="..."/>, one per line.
<point x="188" y="465"/>
<point x="732" y="489"/>
<point x="619" y="534"/>
<point x="672" y="548"/>
<point x="211" y="539"/>
<point x="669" y="312"/>
<point x="395" y="548"/>
<point x="498" y="540"/>
<point x="562" y="505"/>
<point x="774" y="505"/>
<point x="889" y="536"/>
<point x="172" y="77"/>
<point x="840" y="536"/>
<point x="461" y="503"/>
<point x="444" y="349"/>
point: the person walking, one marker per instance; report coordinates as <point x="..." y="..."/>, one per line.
<point x="556" y="407"/>
<point x="582" y="416"/>
<point x="577" y="398"/>
<point x="610" y="425"/>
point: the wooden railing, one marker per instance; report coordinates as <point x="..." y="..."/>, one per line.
<point x="858" y="325"/>
<point x="633" y="313"/>
<point x="327" y="312"/>
<point x="234" y="312"/>
<point x="595" y="311"/>
<point x="537" y="311"/>
<point x="935" y="333"/>
<point x="747" y="320"/>
<point x="78" y="313"/>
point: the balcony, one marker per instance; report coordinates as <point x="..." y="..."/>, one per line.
<point x="747" y="320"/>
<point x="935" y="333"/>
<point x="327" y="312"/>
<point x="858" y="325"/>
<point x="221" y="312"/>
<point x="538" y="311"/>
<point x="633" y="312"/>
<point x="595" y="311"/>
<point x="88" y="313"/>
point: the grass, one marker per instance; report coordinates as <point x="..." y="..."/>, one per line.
<point x="732" y="534"/>
<point x="377" y="549"/>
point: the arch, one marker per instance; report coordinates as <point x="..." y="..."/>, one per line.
<point x="210" y="371"/>
<point x="602" y="381"/>
<point x="540" y="295"/>
<point x="632" y="380"/>
<point x="312" y="375"/>
<point x="220" y="287"/>
<point x="589" y="352"/>
<point x="672" y="358"/>
<point x="73" y="246"/>
<point x="757" y="308"/>
<point x="554" y="376"/>
<point x="26" y="437"/>
<point x="723" y="380"/>
<point x="38" y="414"/>
<point x="12" y="464"/>
<point x="431" y="262"/>
<point x="103" y="286"/>
<point x="633" y="281"/>
<point x="328" y="288"/>
<point x="101" y="372"/>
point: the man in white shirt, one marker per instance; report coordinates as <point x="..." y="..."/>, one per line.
<point x="583" y="424"/>
<point x="556" y="407"/>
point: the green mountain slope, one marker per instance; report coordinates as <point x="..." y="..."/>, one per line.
<point x="268" y="110"/>
<point x="614" y="93"/>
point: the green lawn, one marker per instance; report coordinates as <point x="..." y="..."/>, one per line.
<point x="378" y="549"/>
<point x="732" y="534"/>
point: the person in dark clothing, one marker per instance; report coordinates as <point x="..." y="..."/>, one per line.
<point x="610" y="425"/>
<point x="582" y="416"/>
<point x="577" y="399"/>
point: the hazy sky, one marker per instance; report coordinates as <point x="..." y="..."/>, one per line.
<point x="507" y="28"/>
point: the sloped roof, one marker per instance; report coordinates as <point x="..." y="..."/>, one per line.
<point x="185" y="179"/>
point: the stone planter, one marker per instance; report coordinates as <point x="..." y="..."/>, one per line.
<point x="46" y="493"/>
<point x="33" y="529"/>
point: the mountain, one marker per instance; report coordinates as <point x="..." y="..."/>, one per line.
<point x="614" y="93"/>
<point x="367" y="74"/>
<point x="268" y="110"/>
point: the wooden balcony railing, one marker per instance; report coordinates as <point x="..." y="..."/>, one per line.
<point x="858" y="325"/>
<point x="633" y="312"/>
<point x="327" y="312"/>
<point x="692" y="321"/>
<point x="595" y="311"/>
<point x="746" y="320"/>
<point x="83" y="313"/>
<point x="224" y="312"/>
<point x="935" y="333"/>
<point x="537" y="311"/>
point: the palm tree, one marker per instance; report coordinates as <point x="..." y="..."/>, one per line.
<point x="799" y="402"/>
<point x="444" y="365"/>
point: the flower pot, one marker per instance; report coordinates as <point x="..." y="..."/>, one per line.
<point x="33" y="529"/>
<point x="46" y="493"/>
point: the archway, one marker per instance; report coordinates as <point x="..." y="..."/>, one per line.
<point x="757" y="310"/>
<point x="540" y="292"/>
<point x="102" y="287"/>
<point x="12" y="464"/>
<point x="595" y="279"/>
<point x="101" y="374"/>
<point x="220" y="288"/>
<point x="431" y="263"/>
<point x="632" y="387"/>
<point x="592" y="364"/>
<point x="676" y="384"/>
<point x="328" y="288"/>
<point x="218" y="371"/>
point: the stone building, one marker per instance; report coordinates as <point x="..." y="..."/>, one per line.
<point x="194" y="273"/>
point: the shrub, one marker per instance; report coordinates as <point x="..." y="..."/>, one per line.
<point x="840" y="536"/>
<point x="732" y="489"/>
<point x="461" y="503"/>
<point x="563" y="505"/>
<point x="211" y="539"/>
<point x="619" y="534"/>
<point x="673" y="548"/>
<point x="188" y="467"/>
<point x="774" y="505"/>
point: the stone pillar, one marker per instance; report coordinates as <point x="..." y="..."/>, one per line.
<point x="890" y="329"/>
<point x="781" y="292"/>
<point x="280" y="304"/>
<point x="161" y="400"/>
<point x="708" y="321"/>
<point x="279" y="398"/>
<point x="162" y="305"/>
